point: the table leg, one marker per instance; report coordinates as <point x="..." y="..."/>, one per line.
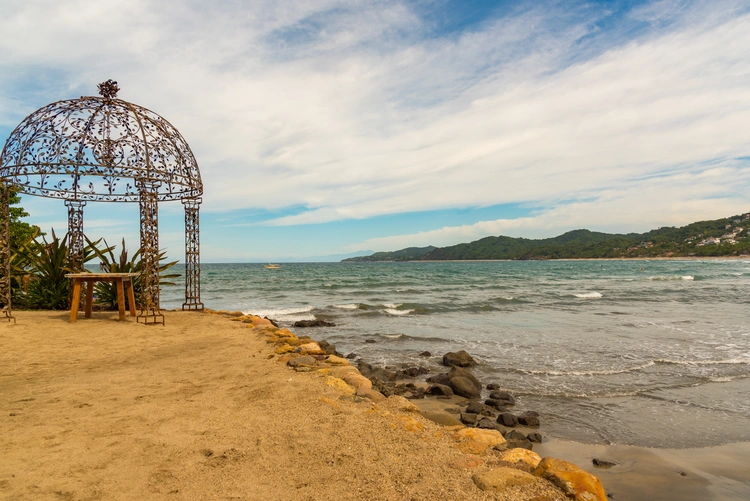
<point x="131" y="296"/>
<point x="120" y="298"/>
<point x="75" y="300"/>
<point x="89" y="297"/>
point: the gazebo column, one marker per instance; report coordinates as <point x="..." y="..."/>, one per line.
<point x="5" y="305"/>
<point x="149" y="205"/>
<point x="76" y="240"/>
<point x="192" y="255"/>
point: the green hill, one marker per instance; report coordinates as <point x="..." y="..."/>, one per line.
<point x="720" y="237"/>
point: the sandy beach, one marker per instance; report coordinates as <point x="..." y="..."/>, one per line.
<point x="201" y="409"/>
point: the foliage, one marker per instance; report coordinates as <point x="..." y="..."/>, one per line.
<point x="663" y="242"/>
<point x="45" y="264"/>
<point x="106" y="293"/>
<point x="20" y="232"/>
<point x="403" y="255"/>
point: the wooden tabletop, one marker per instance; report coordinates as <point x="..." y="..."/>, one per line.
<point x="101" y="276"/>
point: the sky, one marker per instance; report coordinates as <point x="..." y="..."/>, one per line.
<point x="325" y="128"/>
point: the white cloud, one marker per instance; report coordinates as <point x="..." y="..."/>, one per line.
<point x="358" y="109"/>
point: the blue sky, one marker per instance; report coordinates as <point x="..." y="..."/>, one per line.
<point x="323" y="128"/>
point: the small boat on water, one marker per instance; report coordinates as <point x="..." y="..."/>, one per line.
<point x="270" y="266"/>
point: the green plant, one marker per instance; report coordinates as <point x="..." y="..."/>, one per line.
<point x="106" y="293"/>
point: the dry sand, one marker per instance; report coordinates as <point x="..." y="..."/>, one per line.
<point x="101" y="409"/>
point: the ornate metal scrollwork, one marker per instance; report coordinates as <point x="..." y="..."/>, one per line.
<point x="76" y="239"/>
<point x="104" y="149"/>
<point x="5" y="292"/>
<point x="192" y="255"/>
<point x="149" y="253"/>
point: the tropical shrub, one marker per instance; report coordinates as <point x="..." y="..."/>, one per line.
<point x="106" y="293"/>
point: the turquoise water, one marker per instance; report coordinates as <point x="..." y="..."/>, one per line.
<point x="652" y="353"/>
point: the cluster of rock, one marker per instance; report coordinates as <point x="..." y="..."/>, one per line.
<point x="481" y="433"/>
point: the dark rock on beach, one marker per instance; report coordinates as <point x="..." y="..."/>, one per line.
<point x="300" y="361"/>
<point x="528" y="419"/>
<point x="503" y="396"/>
<point x="497" y="404"/>
<point x="459" y="372"/>
<point x="411" y="372"/>
<point x="373" y="373"/>
<point x="370" y="341"/>
<point x="507" y="419"/>
<point x="273" y="322"/>
<point x="493" y="386"/>
<point x="464" y="387"/>
<point x="328" y="348"/>
<point x="603" y="463"/>
<point x="425" y="354"/>
<point x="477" y="408"/>
<point x="440" y="389"/>
<point x="439" y="379"/>
<point x="469" y="419"/>
<point x="486" y="423"/>
<point x="458" y="359"/>
<point x="536" y="438"/>
<point x="313" y="323"/>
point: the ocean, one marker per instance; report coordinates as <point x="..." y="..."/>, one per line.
<point x="635" y="352"/>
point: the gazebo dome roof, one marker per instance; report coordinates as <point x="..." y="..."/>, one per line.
<point x="99" y="149"/>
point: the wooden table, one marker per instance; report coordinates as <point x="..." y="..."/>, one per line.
<point x="121" y="280"/>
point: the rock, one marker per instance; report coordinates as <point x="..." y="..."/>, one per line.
<point x="310" y="349"/>
<point x="458" y="359"/>
<point x="535" y="438"/>
<point x="373" y="395"/>
<point x="477" y="408"/>
<point x="370" y="341"/>
<point x="476" y="441"/>
<point x="371" y="372"/>
<point x="351" y="356"/>
<point x="411" y="372"/>
<point x="334" y="360"/>
<point x="271" y="321"/>
<point x="439" y="379"/>
<point x="339" y="384"/>
<point x="313" y="323"/>
<point x="520" y="444"/>
<point x="329" y="348"/>
<point x="507" y="419"/>
<point x="496" y="404"/>
<point x="514" y="435"/>
<point x="357" y="381"/>
<point x="469" y="419"/>
<point x="442" y="418"/>
<point x="299" y="361"/>
<point x="603" y="463"/>
<point x="524" y="456"/>
<point x="493" y="386"/>
<point x="464" y="387"/>
<point x="397" y="404"/>
<point x="527" y="420"/>
<point x="440" y="389"/>
<point x="486" y="424"/>
<point x="501" y="478"/>
<point x="459" y="372"/>
<point x="573" y="481"/>
<point x="503" y="396"/>
<point x="425" y="354"/>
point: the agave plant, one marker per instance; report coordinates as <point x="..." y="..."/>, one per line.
<point x="45" y="265"/>
<point x="106" y="293"/>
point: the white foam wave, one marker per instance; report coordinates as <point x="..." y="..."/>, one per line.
<point x="392" y="305"/>
<point x="352" y="306"/>
<point x="669" y="278"/>
<point x="392" y="336"/>
<point x="728" y="361"/>
<point x="687" y="277"/>
<point x="392" y="311"/>
<point x="589" y="295"/>
<point x="284" y="314"/>
<point x="592" y="373"/>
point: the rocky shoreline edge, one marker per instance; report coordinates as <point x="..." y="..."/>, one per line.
<point x="481" y="430"/>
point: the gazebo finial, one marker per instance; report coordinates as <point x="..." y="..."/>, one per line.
<point x="108" y="89"/>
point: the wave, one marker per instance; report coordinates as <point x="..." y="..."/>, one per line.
<point x="671" y="277"/>
<point x="352" y="306"/>
<point x="393" y="311"/>
<point x="394" y="336"/>
<point x="284" y="314"/>
<point x="589" y="295"/>
<point x="728" y="361"/>
<point x="587" y="373"/>
<point x="392" y="306"/>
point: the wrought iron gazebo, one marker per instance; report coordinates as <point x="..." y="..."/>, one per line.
<point x="104" y="149"/>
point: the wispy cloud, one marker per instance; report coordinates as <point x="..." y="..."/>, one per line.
<point x="358" y="109"/>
